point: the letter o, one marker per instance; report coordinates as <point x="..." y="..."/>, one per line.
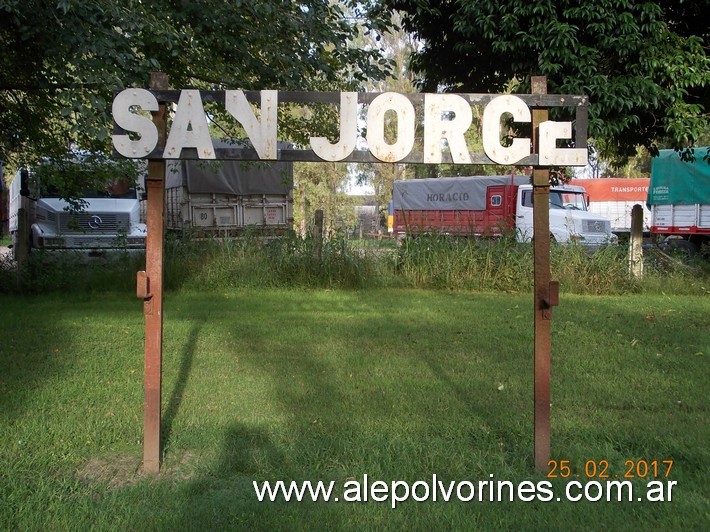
<point x="472" y="491"/>
<point x="587" y="495"/>
<point x="400" y="104"/>
<point x="420" y="498"/>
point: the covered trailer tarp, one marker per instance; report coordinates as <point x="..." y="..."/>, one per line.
<point x="240" y="178"/>
<point x="449" y="193"/>
<point x="676" y="182"/>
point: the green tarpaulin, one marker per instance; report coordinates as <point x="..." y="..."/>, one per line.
<point x="679" y="183"/>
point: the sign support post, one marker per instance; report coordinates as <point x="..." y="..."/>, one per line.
<point x="545" y="291"/>
<point x="150" y="289"/>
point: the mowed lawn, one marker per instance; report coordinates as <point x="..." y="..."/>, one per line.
<point x="326" y="385"/>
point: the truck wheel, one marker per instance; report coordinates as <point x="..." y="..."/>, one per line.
<point x="681" y="247"/>
<point x="703" y="245"/>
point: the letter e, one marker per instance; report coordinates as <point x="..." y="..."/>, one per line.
<point x="550" y="154"/>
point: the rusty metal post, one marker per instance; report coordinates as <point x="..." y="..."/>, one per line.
<point x="544" y="300"/>
<point x="150" y="289"/>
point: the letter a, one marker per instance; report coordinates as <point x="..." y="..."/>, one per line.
<point x="190" y="128"/>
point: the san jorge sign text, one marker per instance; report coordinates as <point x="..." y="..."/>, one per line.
<point x="443" y="120"/>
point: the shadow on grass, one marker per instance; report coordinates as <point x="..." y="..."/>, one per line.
<point x="178" y="392"/>
<point x="338" y="408"/>
<point x="39" y="342"/>
<point x="342" y="384"/>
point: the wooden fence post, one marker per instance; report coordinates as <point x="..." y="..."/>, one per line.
<point x="318" y="235"/>
<point x="636" y="242"/>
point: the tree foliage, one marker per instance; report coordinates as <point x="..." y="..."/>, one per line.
<point x="398" y="46"/>
<point x="643" y="64"/>
<point x="321" y="186"/>
<point x="85" y="174"/>
<point x="62" y="59"/>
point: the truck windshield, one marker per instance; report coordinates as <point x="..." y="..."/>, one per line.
<point x="116" y="190"/>
<point x="560" y="199"/>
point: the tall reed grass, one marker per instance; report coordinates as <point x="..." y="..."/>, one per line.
<point x="276" y="262"/>
<point x="433" y="261"/>
<point x="439" y="261"/>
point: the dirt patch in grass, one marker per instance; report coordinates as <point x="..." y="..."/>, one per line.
<point x="117" y="472"/>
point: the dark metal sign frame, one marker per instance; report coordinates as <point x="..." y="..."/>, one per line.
<point x="150" y="281"/>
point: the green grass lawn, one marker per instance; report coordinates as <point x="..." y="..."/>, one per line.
<point x="277" y="384"/>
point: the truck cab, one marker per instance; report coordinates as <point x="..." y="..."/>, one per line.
<point x="107" y="219"/>
<point x="570" y="221"/>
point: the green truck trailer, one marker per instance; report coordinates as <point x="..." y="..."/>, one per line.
<point x="679" y="199"/>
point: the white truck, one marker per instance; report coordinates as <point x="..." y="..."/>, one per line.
<point x="109" y="219"/>
<point x="493" y="206"/>
<point x="614" y="198"/>
<point x="226" y="199"/>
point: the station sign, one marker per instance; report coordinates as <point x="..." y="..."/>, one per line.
<point x="366" y="123"/>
